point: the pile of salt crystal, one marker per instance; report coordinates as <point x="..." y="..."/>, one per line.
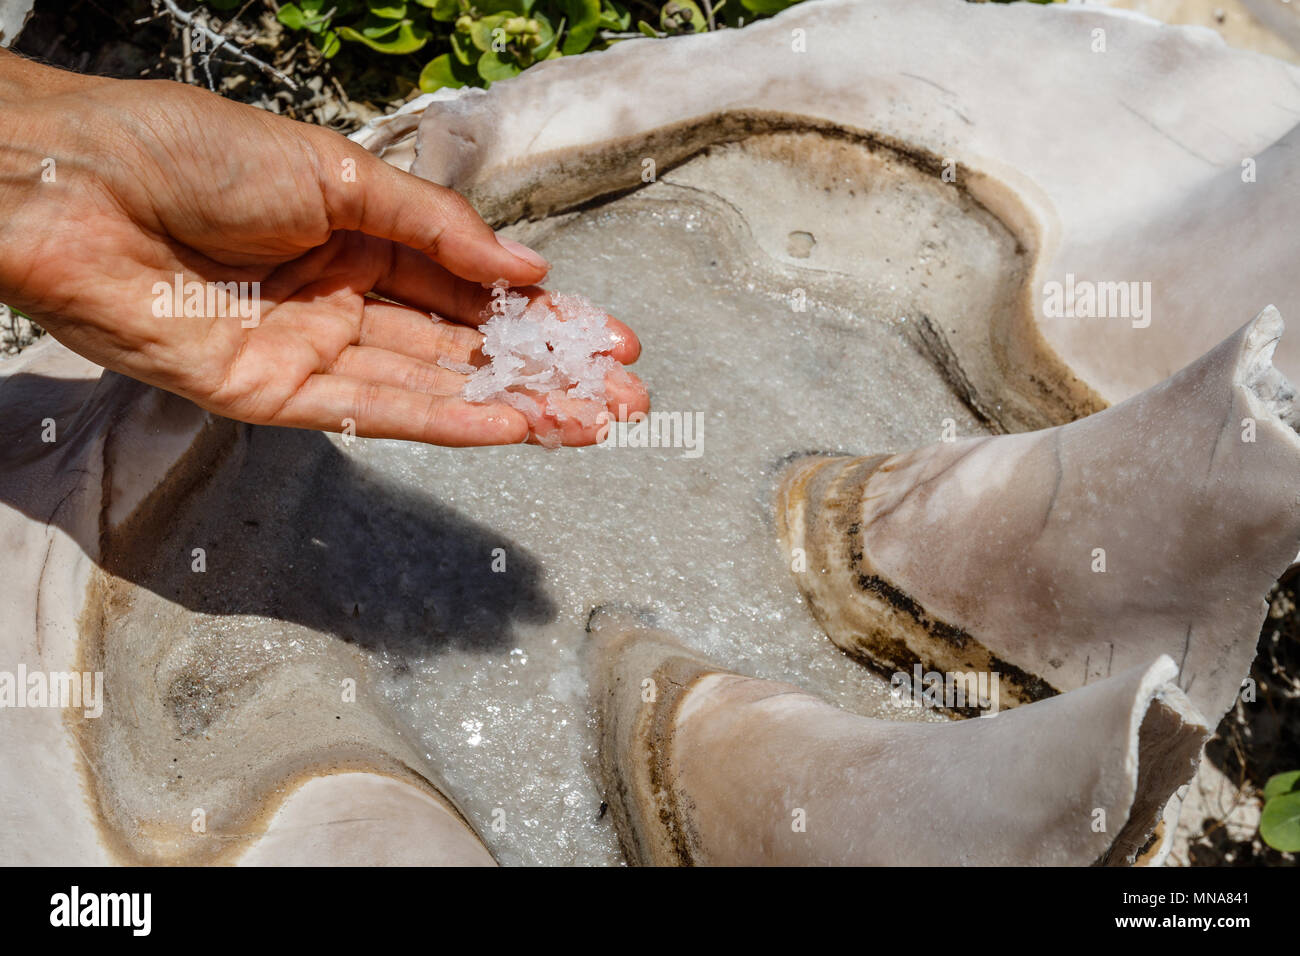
<point x="544" y="352"/>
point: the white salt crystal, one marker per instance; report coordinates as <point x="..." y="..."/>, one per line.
<point x="463" y="367"/>
<point x="545" y="359"/>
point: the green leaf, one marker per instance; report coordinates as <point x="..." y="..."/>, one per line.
<point x="463" y="51"/>
<point x="466" y="75"/>
<point x="386" y="9"/>
<point x="376" y="28"/>
<point x="407" y="38"/>
<point x="767" y="6"/>
<point x="488" y="7"/>
<point x="442" y="10"/>
<point x="584" y="20"/>
<point x="438" y="73"/>
<point x="547" y="37"/>
<point x="329" y="43"/>
<point x="1281" y="783"/>
<point x="306" y="15"/>
<point x="1279" y="824"/>
<point x="481" y="31"/>
<point x="614" y="16"/>
<point x="646" y="28"/>
<point x="681" y="10"/>
<point x="291" y="16"/>
<point x="492" y="68"/>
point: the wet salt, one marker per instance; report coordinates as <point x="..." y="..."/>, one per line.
<point x="547" y="360"/>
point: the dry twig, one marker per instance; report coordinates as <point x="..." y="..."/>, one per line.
<point x="216" y="41"/>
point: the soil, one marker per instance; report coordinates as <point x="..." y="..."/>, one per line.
<point x="129" y="39"/>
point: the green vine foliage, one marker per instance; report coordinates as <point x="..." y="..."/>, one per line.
<point x="1280" y="823"/>
<point x="477" y="42"/>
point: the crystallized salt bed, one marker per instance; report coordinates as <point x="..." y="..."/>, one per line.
<point x="690" y="538"/>
<point x="546" y="360"/>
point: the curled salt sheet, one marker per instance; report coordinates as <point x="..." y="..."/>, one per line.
<point x="318" y="825"/>
<point x="548" y="350"/>
<point x="391" y="137"/>
<point x="13" y="17"/>
<point x="1122" y="166"/>
<point x="80" y="787"/>
<point x="1062" y="556"/>
<point x="722" y="769"/>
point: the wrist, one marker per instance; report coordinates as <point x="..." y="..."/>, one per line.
<point x="41" y="147"/>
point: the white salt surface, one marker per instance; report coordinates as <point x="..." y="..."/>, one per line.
<point x="691" y="539"/>
<point x="388" y="548"/>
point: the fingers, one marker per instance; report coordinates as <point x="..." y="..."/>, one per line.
<point x="628" y="348"/>
<point x="390" y="385"/>
<point x="416" y="281"/>
<point x="625" y="346"/>
<point x="400" y="371"/>
<point x="381" y="394"/>
<point x="331" y="402"/>
<point x="408" y="332"/>
<point x="364" y="193"/>
<point x="625" y="395"/>
<point x="379" y="408"/>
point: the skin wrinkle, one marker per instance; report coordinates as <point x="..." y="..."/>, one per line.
<point x="331" y="213"/>
<point x="43" y="237"/>
<point x="468" y="301"/>
<point x="324" y="363"/>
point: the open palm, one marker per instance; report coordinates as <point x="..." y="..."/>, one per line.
<point x="365" y="276"/>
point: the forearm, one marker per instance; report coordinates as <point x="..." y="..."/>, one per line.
<point x="24" y="76"/>
<point x="47" y="151"/>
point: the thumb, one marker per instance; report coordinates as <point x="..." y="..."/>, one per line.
<point x="364" y="193"/>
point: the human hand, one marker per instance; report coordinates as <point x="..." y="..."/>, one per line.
<point x="110" y="188"/>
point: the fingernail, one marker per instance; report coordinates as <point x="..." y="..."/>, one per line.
<point x="521" y="251"/>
